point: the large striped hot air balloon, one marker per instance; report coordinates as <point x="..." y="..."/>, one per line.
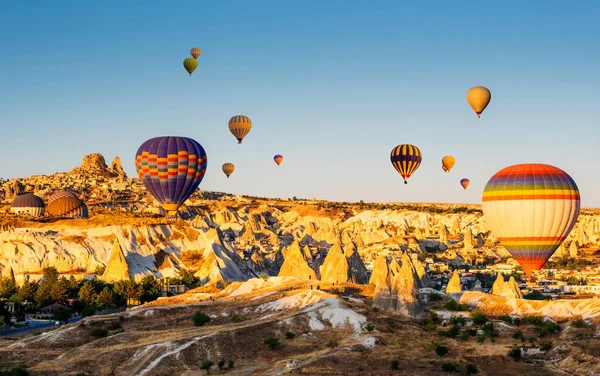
<point x="171" y="169"/>
<point x="479" y="97"/>
<point x="239" y="126"/>
<point x="70" y="207"/>
<point x="190" y="64"/>
<point x="61" y="193"/>
<point x="465" y="182"/>
<point x="28" y="204"/>
<point x="531" y="209"/>
<point x="448" y="163"/>
<point x="195" y="52"/>
<point x="228" y="168"/>
<point x="278" y="158"/>
<point x="406" y="159"/>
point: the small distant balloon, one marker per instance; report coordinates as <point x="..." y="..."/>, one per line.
<point x="465" y="182"/>
<point x="447" y="163"/>
<point x="406" y="159"/>
<point x="239" y="126"/>
<point x="228" y="169"/>
<point x="479" y="97"/>
<point x="278" y="158"/>
<point x="195" y="52"/>
<point x="190" y="64"/>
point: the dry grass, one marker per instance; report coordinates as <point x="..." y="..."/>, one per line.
<point x="141" y="240"/>
<point x="176" y="235"/>
<point x="192" y="259"/>
<point x="77" y="239"/>
<point x="108" y="238"/>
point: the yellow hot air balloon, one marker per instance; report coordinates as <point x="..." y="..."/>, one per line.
<point x="478" y="97"/>
<point x="447" y="163"/>
<point x="406" y="159"/>
<point x="190" y="64"/>
<point x="239" y="126"/>
<point x="195" y="52"/>
<point x="228" y="169"/>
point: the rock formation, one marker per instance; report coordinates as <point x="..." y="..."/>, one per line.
<point x="573" y="249"/>
<point x="379" y="276"/>
<point x="394" y="267"/>
<point x="335" y="268"/>
<point x="421" y="273"/>
<point x="401" y="294"/>
<point x="295" y="265"/>
<point x="116" y="169"/>
<point x="508" y="289"/>
<point x="443" y="232"/>
<point x="358" y="271"/>
<point x="117" y="268"/>
<point x="454" y="283"/>
<point x="467" y="239"/>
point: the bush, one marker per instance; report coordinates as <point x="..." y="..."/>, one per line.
<point x="206" y="365"/>
<point x="17" y="371"/>
<point x="534" y="320"/>
<point x="88" y="311"/>
<point x="478" y="317"/>
<point x="99" y="333"/>
<point x="579" y="322"/>
<point x="272" y="343"/>
<point x="221" y="364"/>
<point x="515" y="353"/>
<point x="115" y="326"/>
<point x="453" y="305"/>
<point x="465" y="336"/>
<point x="236" y="318"/>
<point x="449" y="367"/>
<point x="441" y="350"/>
<point x="395" y="365"/>
<point x="230" y="364"/>
<point x="369" y="327"/>
<point x="546" y="346"/>
<point x="471" y="369"/>
<point x="450" y="333"/>
<point x="507" y="319"/>
<point x="519" y="335"/>
<point x="458" y="320"/>
<point x="434" y="316"/>
<point x="429" y="326"/>
<point x="200" y="318"/>
<point x="289" y="334"/>
<point x="332" y="344"/>
<point x="434" y="297"/>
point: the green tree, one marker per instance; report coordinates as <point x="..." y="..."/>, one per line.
<point x="59" y="291"/>
<point x="7" y="288"/>
<point x="151" y="289"/>
<point x="187" y="278"/>
<point x="61" y="315"/>
<point x="105" y="298"/>
<point x="87" y="293"/>
<point x="26" y="292"/>
<point x="44" y="293"/>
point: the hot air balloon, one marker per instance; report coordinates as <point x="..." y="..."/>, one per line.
<point x="406" y="159"/>
<point x="28" y="204"/>
<point x="239" y="126"/>
<point x="447" y="163"/>
<point x="195" y="52"/>
<point x="228" y="168"/>
<point x="478" y="97"/>
<point x="190" y="64"/>
<point x="465" y="182"/>
<point x="71" y="207"/>
<point x="278" y="158"/>
<point x="61" y="193"/>
<point x="531" y="208"/>
<point x="171" y="169"/>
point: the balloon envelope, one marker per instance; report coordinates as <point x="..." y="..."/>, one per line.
<point x="195" y="52"/>
<point x="406" y="159"/>
<point x="531" y="209"/>
<point x="190" y="64"/>
<point x="465" y="182"/>
<point x="171" y="169"/>
<point x="228" y="168"/>
<point x="278" y="158"/>
<point x="447" y="163"/>
<point x="479" y="97"/>
<point x="239" y="126"/>
<point x="71" y="207"/>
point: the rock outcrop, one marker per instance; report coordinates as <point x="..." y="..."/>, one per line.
<point x="116" y="169"/>
<point x="335" y="268"/>
<point x="358" y="271"/>
<point x="401" y="294"/>
<point x="379" y="275"/>
<point x="117" y="268"/>
<point x="295" y="264"/>
<point x="508" y="289"/>
<point x="94" y="165"/>
<point x="454" y="284"/>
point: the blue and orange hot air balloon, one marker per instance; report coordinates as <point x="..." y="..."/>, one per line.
<point x="465" y="182"/>
<point x="406" y="159"/>
<point x="171" y="169"/>
<point x="531" y="209"/>
<point x="278" y="158"/>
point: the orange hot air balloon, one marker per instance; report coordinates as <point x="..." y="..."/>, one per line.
<point x="465" y="182"/>
<point x="239" y="126"/>
<point x="278" y="158"/>
<point x="195" y="52"/>
<point x="228" y="168"/>
<point x="447" y="163"/>
<point x="479" y="97"/>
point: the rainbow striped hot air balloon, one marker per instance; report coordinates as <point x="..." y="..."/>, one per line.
<point x="406" y="159"/>
<point x="531" y="209"/>
<point x="278" y="158"/>
<point x="171" y="169"/>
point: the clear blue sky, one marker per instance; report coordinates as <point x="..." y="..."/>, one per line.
<point x="331" y="85"/>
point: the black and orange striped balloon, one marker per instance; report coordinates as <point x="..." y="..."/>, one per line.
<point x="406" y="159"/>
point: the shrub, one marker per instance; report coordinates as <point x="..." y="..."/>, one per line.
<point x="88" y="311"/>
<point x="434" y="297"/>
<point x="441" y="350"/>
<point x="289" y="334"/>
<point x="471" y="369"/>
<point x="547" y="327"/>
<point x="515" y="353"/>
<point x="17" y="371"/>
<point x="230" y="364"/>
<point x="546" y="346"/>
<point x="99" y="333"/>
<point x="458" y="320"/>
<point x="453" y="305"/>
<point x="517" y="321"/>
<point x="534" y="320"/>
<point x="478" y="317"/>
<point x="464" y="336"/>
<point x="579" y="322"/>
<point x="450" y="333"/>
<point x="236" y="318"/>
<point x="449" y="367"/>
<point x="332" y="344"/>
<point x="272" y="343"/>
<point x="200" y="318"/>
<point x="434" y="316"/>
<point x="369" y="327"/>
<point x="115" y="326"/>
<point x="519" y="335"/>
<point x="395" y="365"/>
<point x="429" y="325"/>
<point x="221" y="364"/>
<point x="206" y="365"/>
<point x="507" y="319"/>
